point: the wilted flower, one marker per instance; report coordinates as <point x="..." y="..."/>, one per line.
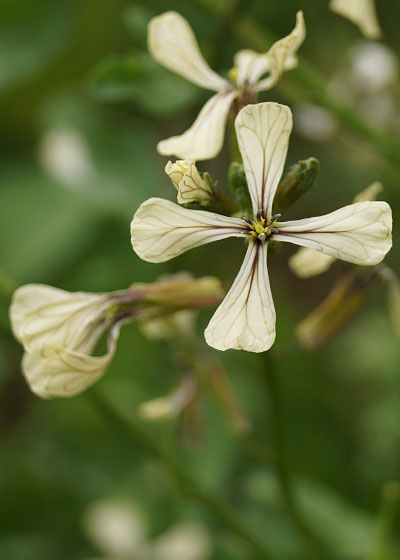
<point x="161" y="230"/>
<point x="59" y="331"/>
<point x="190" y="185"/>
<point x="360" y="12"/>
<point x="307" y="262"/>
<point x="173" y="44"/>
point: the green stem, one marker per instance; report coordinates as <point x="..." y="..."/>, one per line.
<point x="270" y="382"/>
<point x="134" y="431"/>
<point x="385" y="521"/>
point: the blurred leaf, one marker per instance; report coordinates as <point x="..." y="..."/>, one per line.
<point x="32" y="34"/>
<point x="136" y="19"/>
<point x="138" y="78"/>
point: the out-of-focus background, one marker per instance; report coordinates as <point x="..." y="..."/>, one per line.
<point x="82" y="108"/>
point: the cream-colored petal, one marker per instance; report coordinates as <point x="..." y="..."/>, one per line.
<point x="282" y="54"/>
<point x="263" y="132"/>
<point x="173" y="44"/>
<point x="204" y="139"/>
<point x="370" y="193"/>
<point x="162" y="230"/>
<point x="250" y="66"/>
<point x="55" y="371"/>
<point x="362" y="13"/>
<point x="41" y="315"/>
<point x="359" y="233"/>
<point x="171" y="405"/>
<point x="245" y="320"/>
<point x="306" y="262"/>
<point x="187" y="180"/>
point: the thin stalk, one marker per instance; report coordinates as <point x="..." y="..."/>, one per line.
<point x="385" y="521"/>
<point x="270" y="382"/>
<point x="139" y="435"/>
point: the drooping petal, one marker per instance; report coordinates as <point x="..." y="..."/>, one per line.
<point x="361" y="12"/>
<point x="57" y="371"/>
<point x="162" y="230"/>
<point x="173" y="44"/>
<point x="41" y="315"/>
<point x="307" y="262"/>
<point x="282" y="55"/>
<point x="245" y="320"/>
<point x="263" y="132"/>
<point x="359" y="233"/>
<point x="204" y="139"/>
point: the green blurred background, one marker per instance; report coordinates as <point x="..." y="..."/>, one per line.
<point x="75" y="77"/>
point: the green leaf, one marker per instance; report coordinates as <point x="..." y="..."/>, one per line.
<point x="138" y="78"/>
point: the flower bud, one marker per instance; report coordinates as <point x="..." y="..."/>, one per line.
<point x="171" y="405"/>
<point x="188" y="182"/>
<point x="299" y="179"/>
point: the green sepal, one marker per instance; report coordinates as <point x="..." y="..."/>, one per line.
<point x="298" y="180"/>
<point x="239" y="187"/>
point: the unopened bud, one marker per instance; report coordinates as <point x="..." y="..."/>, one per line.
<point x="299" y="179"/>
<point x="187" y="180"/>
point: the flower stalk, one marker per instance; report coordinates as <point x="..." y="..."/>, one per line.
<point x="186" y="482"/>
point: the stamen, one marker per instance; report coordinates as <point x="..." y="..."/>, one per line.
<point x="275" y="217"/>
<point x="248" y="221"/>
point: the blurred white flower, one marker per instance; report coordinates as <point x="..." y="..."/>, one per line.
<point x="65" y="155"/>
<point x="120" y="532"/>
<point x="190" y="185"/>
<point x="173" y="44"/>
<point x="361" y="12"/>
<point x="306" y="262"/>
<point x="161" y="230"/>
<point x="116" y="528"/>
<point x="184" y="541"/>
<point x="314" y="123"/>
<point x="373" y="65"/>
<point x="59" y="331"/>
<point x="164" y="408"/>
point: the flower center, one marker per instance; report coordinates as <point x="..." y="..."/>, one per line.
<point x="261" y="229"/>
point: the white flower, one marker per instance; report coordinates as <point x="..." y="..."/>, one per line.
<point x="190" y="185"/>
<point x="359" y="233"/>
<point x="59" y="330"/>
<point x="361" y="12"/>
<point x="307" y="262"/>
<point x="172" y="43"/>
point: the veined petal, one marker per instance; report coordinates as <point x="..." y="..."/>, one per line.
<point x="187" y="180"/>
<point x="41" y="315"/>
<point x="162" y="230"/>
<point x="307" y="262"/>
<point x="245" y="320"/>
<point x="361" y="12"/>
<point x="55" y="371"/>
<point x="204" y="139"/>
<point x="282" y="55"/>
<point x="263" y="132"/>
<point x="173" y="44"/>
<point x="359" y="233"/>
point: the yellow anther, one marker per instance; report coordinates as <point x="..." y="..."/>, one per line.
<point x="233" y="74"/>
